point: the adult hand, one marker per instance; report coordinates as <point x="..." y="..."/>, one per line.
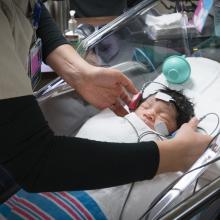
<point x="101" y="87"/>
<point x="185" y="148"/>
<point x="106" y="87"/>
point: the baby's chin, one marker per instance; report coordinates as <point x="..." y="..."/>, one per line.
<point x="147" y="122"/>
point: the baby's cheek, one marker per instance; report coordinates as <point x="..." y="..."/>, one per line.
<point x="173" y="127"/>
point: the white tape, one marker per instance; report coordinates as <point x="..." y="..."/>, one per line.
<point x="164" y="97"/>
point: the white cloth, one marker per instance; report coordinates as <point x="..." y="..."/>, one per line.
<point x="168" y="25"/>
<point x="106" y="126"/>
<point x="202" y="87"/>
<point x="164" y="21"/>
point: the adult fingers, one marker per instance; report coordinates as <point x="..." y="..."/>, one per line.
<point x="104" y="100"/>
<point x="117" y="95"/>
<point x="125" y="97"/>
<point x="128" y="84"/>
<point x="118" y="109"/>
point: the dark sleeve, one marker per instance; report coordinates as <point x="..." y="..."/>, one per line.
<point x="40" y="161"/>
<point x="49" y="32"/>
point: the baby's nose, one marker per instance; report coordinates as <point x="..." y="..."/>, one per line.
<point x="151" y="114"/>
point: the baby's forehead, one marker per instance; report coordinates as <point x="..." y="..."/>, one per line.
<point x="150" y="97"/>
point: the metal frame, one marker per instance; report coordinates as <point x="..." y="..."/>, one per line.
<point x="197" y="203"/>
<point x="166" y="202"/>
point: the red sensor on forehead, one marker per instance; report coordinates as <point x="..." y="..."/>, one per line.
<point x="135" y="101"/>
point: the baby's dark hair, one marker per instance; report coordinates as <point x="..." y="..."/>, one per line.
<point x="184" y="107"/>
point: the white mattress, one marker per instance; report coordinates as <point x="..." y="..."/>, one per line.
<point x="202" y="87"/>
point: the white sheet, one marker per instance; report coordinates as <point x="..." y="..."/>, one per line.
<point x="202" y="87"/>
<point x="106" y="126"/>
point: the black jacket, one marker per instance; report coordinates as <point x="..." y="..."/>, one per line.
<point x="40" y="161"/>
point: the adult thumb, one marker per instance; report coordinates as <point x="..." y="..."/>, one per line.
<point x="193" y="122"/>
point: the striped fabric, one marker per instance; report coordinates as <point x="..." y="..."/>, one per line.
<point x="76" y="205"/>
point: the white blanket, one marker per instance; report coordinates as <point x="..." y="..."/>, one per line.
<point x="106" y="126"/>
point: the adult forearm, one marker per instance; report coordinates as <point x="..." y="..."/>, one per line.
<point x="58" y="53"/>
<point x="79" y="164"/>
<point x="41" y="161"/>
<point x="68" y="64"/>
<point x="169" y="156"/>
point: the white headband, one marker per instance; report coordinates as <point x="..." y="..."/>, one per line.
<point x="164" y="97"/>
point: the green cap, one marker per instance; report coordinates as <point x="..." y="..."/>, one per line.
<point x="176" y="69"/>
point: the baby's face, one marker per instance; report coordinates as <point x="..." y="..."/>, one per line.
<point x="153" y="110"/>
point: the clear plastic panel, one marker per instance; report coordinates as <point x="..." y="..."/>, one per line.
<point x="142" y="35"/>
<point x="148" y="33"/>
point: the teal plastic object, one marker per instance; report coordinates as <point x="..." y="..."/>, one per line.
<point x="176" y="69"/>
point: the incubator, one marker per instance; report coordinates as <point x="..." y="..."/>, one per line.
<point x="136" y="37"/>
<point x="137" y="43"/>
